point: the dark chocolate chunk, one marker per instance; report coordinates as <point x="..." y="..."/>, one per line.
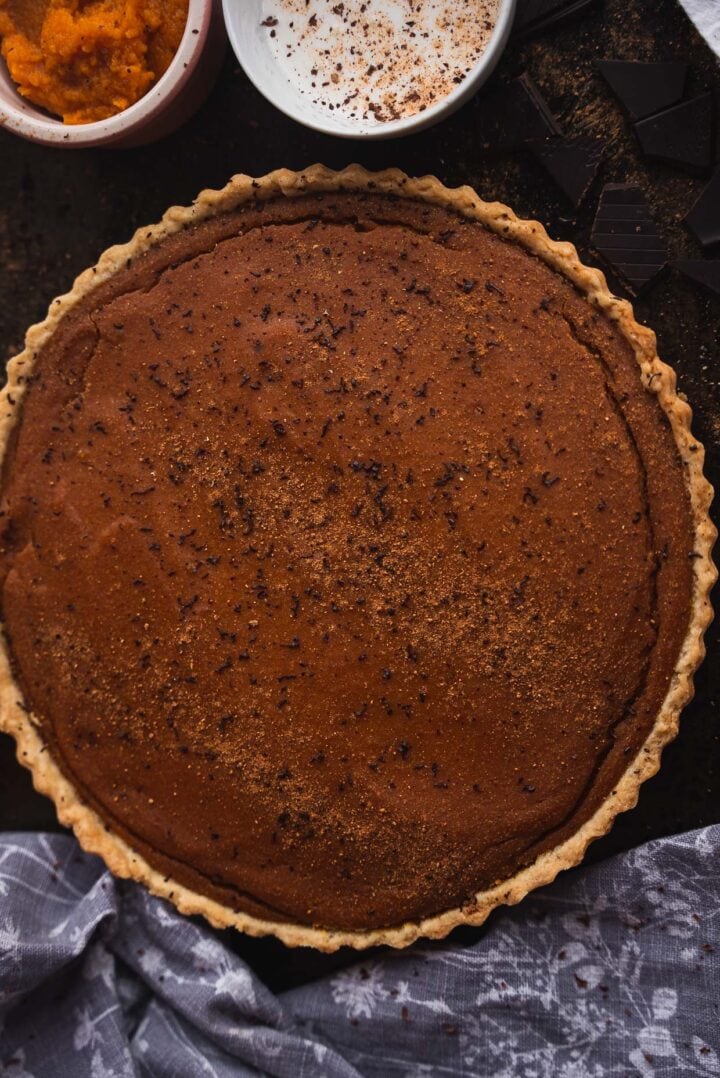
<point x="518" y="113"/>
<point x="626" y="236"/>
<point x="533" y="16"/>
<point x="705" y="271"/>
<point x="682" y="135"/>
<point x="572" y="163"/>
<point x="644" y="88"/>
<point x="704" y="218"/>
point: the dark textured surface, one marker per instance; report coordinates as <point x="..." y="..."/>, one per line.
<point x="59" y="209"/>
<point x="706" y="271"/>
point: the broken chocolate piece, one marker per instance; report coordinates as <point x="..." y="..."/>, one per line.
<point x="704" y="218"/>
<point x="644" y="88"/>
<point x="682" y="135"/>
<point x="572" y="163"/>
<point x="705" y="271"/>
<point x="519" y="113"/>
<point x="626" y="236"/>
<point x="536" y="15"/>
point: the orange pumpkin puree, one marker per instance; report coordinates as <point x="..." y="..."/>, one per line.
<point x="86" y="60"/>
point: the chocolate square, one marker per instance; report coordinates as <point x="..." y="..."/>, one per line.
<point x="683" y="135"/>
<point x="626" y="236"/>
<point x="642" y="88"/>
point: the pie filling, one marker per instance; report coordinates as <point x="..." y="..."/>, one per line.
<point x="345" y="560"/>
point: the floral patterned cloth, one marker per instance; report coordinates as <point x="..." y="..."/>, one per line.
<point x="614" y="970"/>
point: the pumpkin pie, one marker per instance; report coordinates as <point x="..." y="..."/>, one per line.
<point x="355" y="557"/>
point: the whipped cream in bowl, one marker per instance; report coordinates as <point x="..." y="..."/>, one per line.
<point x="368" y="68"/>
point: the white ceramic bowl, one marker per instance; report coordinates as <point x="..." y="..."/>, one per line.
<point x="251" y="43"/>
<point x="173" y="98"/>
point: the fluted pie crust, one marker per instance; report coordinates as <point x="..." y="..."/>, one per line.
<point x="96" y="837"/>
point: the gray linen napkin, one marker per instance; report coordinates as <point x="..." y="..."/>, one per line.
<point x="706" y="16"/>
<point x="614" y="970"/>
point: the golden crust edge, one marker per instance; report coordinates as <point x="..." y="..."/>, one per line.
<point x="658" y="377"/>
